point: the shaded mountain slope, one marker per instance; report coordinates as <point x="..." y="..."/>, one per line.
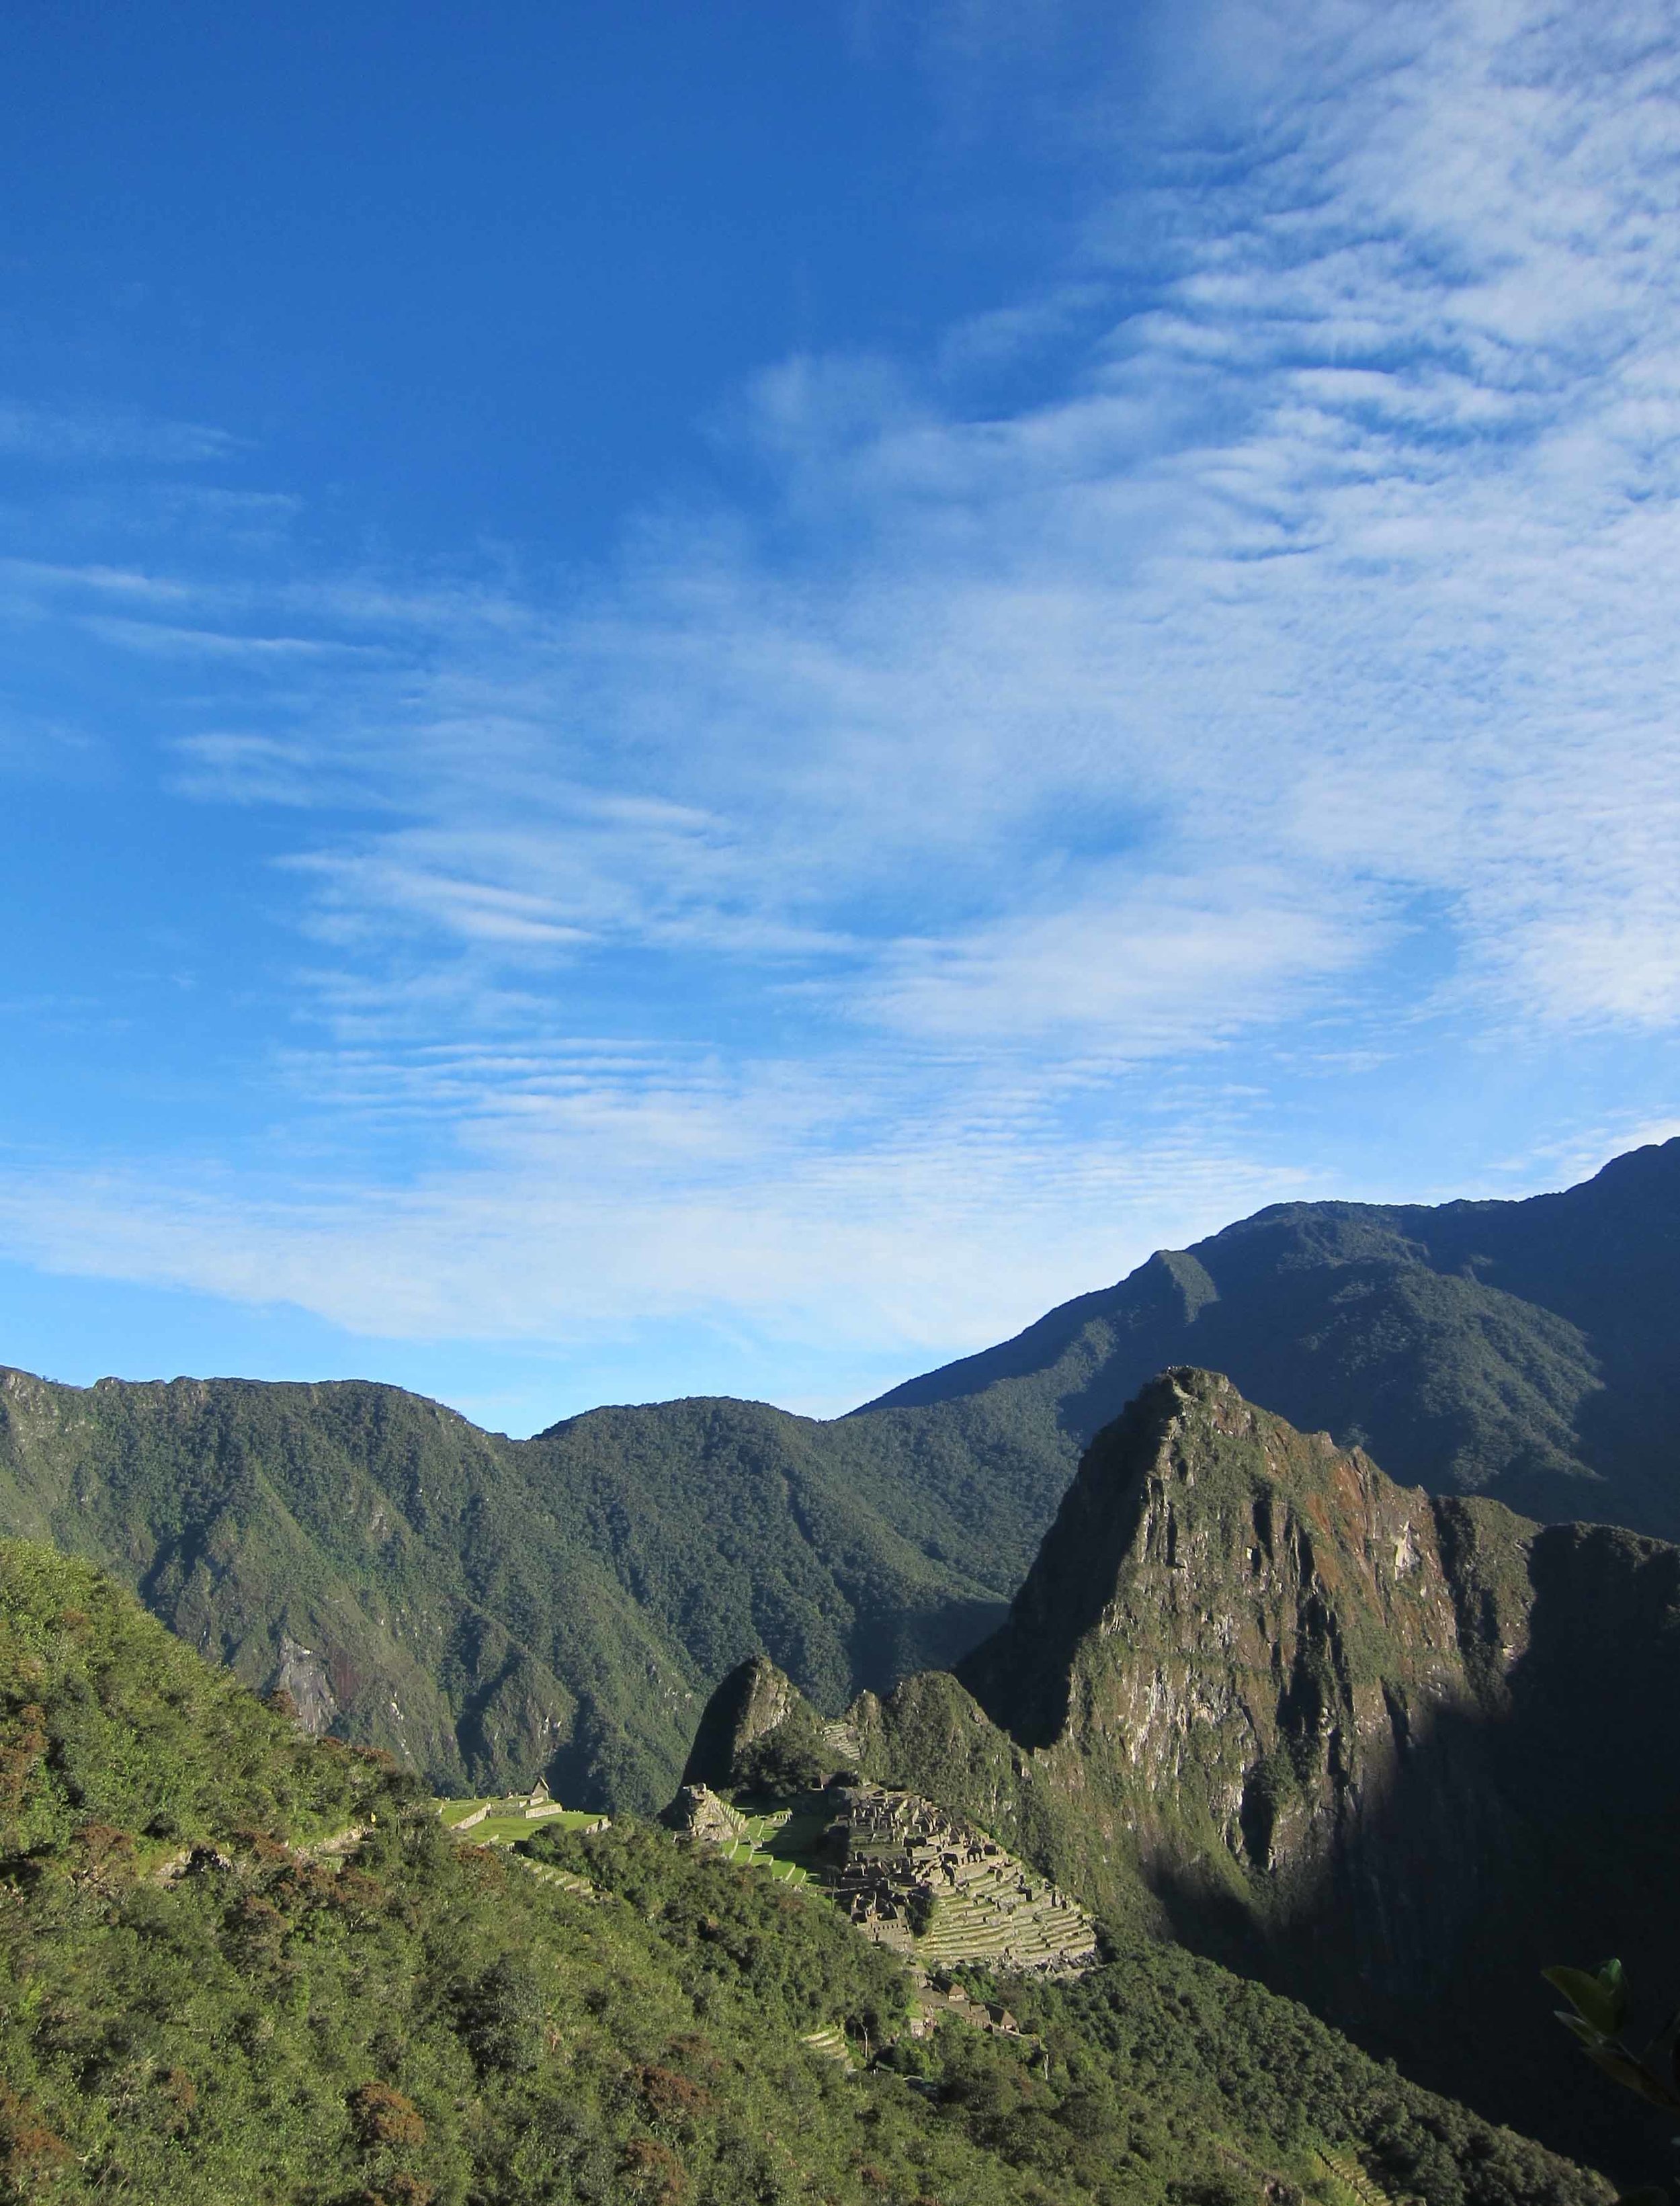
<point x="1393" y="1753"/>
<point x="1523" y="1350"/>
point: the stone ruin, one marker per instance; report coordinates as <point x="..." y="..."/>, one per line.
<point x="891" y="1854"/>
<point x="936" y="1888"/>
<point x="698" y="1813"/>
<point x="535" y="1806"/>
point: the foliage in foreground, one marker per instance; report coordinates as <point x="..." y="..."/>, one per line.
<point x="1596" y="2016"/>
<point x="236" y="1966"/>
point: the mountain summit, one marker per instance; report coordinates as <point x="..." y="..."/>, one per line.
<point x="1375" y="1745"/>
<point x="1521" y="1349"/>
<point x="1271" y="1665"/>
<point x="1381" y="1745"/>
<point x="488" y="1608"/>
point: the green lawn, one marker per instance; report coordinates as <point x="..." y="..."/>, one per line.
<point x="778" y="1842"/>
<point x="775" y="1842"/>
<point x="755" y="1857"/>
<point x="508" y="1820"/>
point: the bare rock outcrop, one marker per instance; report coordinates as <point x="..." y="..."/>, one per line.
<point x="698" y="1813"/>
<point x="754" y="1700"/>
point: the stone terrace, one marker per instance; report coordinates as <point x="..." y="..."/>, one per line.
<point x="928" y="1884"/>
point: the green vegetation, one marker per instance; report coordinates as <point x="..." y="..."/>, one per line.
<point x="1160" y="2026"/>
<point x="507" y="1822"/>
<point x="119" y="1748"/>
<point x="1369" y="1746"/>
<point x="1158" y="2076"/>
<point x="1597" y="2012"/>
<point x="777" y="1842"/>
<point x="1596" y="2016"/>
<point x="1523" y="1350"/>
<point x="238" y="1965"/>
<point x="490" y="1611"/>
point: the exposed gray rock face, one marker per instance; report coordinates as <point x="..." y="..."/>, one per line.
<point x="698" y="1813"/>
<point x="1392" y="1752"/>
<point x="754" y="1700"/>
<point x="1266" y="1670"/>
<point x="302" y="1673"/>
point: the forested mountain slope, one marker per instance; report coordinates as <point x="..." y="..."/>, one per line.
<point x="487" y="1609"/>
<point x="1395" y="1753"/>
<point x="237" y="1964"/>
<point x="1521" y="1349"/>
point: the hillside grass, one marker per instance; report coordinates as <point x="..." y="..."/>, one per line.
<point x="507" y="1824"/>
<point x="237" y="1965"/>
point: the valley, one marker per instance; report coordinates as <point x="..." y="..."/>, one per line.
<point x="840" y="1164"/>
<point x="328" y="1997"/>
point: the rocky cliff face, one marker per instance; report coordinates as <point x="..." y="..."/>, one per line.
<point x="754" y="1700"/>
<point x="1391" y="1751"/>
<point x="1269" y="1672"/>
<point x="1394" y="1753"/>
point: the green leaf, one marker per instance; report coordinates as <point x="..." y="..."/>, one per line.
<point x="1622" y="2066"/>
<point x="1611" y="1977"/>
<point x="1602" y="2003"/>
<point x="1616" y="2062"/>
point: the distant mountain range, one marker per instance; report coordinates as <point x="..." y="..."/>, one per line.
<point x="488" y="1608"/>
<point x="1174" y="1637"/>
<point x="1530" y="1350"/>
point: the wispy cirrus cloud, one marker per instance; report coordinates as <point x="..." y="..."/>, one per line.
<point x="59" y="435"/>
<point x="1259" y="631"/>
<point x="654" y="1206"/>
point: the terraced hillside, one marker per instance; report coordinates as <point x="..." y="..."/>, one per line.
<point x="1372" y="1745"/>
<point x="239" y="1964"/>
<point x="1009" y="1918"/>
<point x="931" y="1885"/>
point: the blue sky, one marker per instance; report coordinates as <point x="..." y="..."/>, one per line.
<point x="711" y="700"/>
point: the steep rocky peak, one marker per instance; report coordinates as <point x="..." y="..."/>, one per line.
<point x="752" y="1701"/>
<point x="1203" y="1535"/>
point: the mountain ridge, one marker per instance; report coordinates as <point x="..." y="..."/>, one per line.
<point x="1521" y="1347"/>
<point x="487" y="1609"/>
<point x="239" y="1964"/>
<point x="491" y="1609"/>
